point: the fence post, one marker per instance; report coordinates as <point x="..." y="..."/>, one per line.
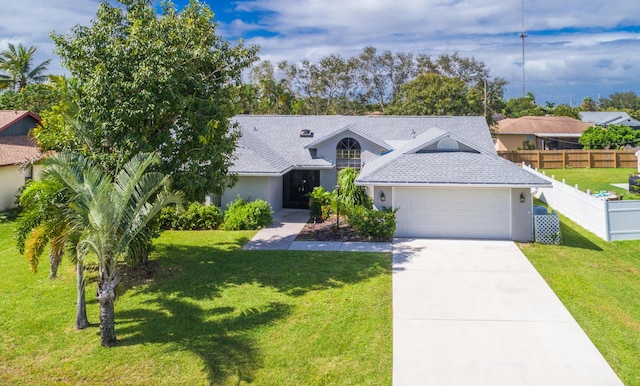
<point x="564" y="159"/>
<point x="615" y="159"/>
<point x="589" y="159"/>
<point x="539" y="160"/>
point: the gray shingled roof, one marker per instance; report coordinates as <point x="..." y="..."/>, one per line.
<point x="447" y="168"/>
<point x="604" y="118"/>
<point x="280" y="135"/>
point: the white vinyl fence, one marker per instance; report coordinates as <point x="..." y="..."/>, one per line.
<point x="609" y="220"/>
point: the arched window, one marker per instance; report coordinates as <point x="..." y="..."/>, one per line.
<point x="348" y="154"/>
<point x="448" y="143"/>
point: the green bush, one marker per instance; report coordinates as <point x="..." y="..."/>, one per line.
<point x="319" y="204"/>
<point x="379" y="225"/>
<point x="351" y="196"/>
<point x="195" y="217"/>
<point x="241" y="215"/>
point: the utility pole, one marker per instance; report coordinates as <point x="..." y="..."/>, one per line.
<point x="523" y="35"/>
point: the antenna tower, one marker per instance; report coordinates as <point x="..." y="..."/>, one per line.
<point x="523" y="35"/>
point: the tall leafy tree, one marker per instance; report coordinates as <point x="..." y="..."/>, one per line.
<point x="474" y="73"/>
<point x="382" y="74"/>
<point x="46" y="219"/>
<point x="433" y="94"/>
<point x="35" y="98"/>
<point x="621" y="101"/>
<point x="17" y="63"/>
<point x="611" y="137"/>
<point x="325" y="87"/>
<point x="265" y="94"/>
<point x="111" y="213"/>
<point x="588" y="104"/>
<point x="520" y="107"/>
<point x="564" y="110"/>
<point x="162" y="83"/>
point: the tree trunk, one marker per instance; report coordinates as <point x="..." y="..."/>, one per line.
<point x="106" y="298"/>
<point x="81" y="307"/>
<point x="54" y="263"/>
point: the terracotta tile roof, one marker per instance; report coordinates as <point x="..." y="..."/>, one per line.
<point x="17" y="149"/>
<point x="8" y="117"/>
<point x="542" y="125"/>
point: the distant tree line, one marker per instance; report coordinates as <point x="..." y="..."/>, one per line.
<point x="372" y="81"/>
<point x="619" y="101"/>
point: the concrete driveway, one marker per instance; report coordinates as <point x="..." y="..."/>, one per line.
<point x="477" y="313"/>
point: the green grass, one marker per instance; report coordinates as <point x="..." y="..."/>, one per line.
<point x="599" y="283"/>
<point x="213" y="314"/>
<point x="596" y="179"/>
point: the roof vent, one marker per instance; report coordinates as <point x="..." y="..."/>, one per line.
<point x="306" y="133"/>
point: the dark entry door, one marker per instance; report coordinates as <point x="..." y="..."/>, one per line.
<point x="297" y="183"/>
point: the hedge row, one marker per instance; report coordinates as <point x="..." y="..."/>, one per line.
<point x="239" y="215"/>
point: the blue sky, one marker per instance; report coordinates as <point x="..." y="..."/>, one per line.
<point x="574" y="49"/>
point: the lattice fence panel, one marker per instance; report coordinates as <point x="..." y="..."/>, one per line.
<point x="547" y="229"/>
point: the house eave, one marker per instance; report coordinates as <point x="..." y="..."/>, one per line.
<point x="283" y="172"/>
<point x="449" y="184"/>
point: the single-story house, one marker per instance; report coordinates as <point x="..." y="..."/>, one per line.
<point x="17" y="151"/>
<point x="442" y="173"/>
<point x="541" y="133"/>
<point x="605" y="118"/>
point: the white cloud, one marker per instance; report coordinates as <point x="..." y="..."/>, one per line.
<point x="30" y="22"/>
<point x="568" y="41"/>
<point x="571" y="44"/>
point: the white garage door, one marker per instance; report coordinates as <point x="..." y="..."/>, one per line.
<point x="479" y="213"/>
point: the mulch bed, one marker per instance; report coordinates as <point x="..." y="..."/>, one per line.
<point x="327" y="231"/>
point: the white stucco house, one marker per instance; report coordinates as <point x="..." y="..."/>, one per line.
<point x="17" y="150"/>
<point x="443" y="173"/>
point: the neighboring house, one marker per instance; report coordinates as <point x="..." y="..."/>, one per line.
<point x="605" y="118"/>
<point x="17" y="151"/>
<point x="442" y="173"/>
<point x="540" y="133"/>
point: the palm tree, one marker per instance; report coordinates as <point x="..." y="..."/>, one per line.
<point x="18" y="65"/>
<point x="45" y="220"/>
<point x="111" y="214"/>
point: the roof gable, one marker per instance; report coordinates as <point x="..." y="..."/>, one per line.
<point x="352" y="128"/>
<point x="9" y="118"/>
<point x="457" y="168"/>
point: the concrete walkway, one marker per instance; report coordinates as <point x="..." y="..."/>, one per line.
<point x="478" y="313"/>
<point x="287" y="223"/>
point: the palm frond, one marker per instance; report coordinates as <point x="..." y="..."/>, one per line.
<point x="34" y="246"/>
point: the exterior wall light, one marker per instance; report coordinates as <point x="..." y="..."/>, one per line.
<point x="382" y="197"/>
<point x="522" y="198"/>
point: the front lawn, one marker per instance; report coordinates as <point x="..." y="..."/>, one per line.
<point x="596" y="179"/>
<point x="599" y="283"/>
<point x="209" y="313"/>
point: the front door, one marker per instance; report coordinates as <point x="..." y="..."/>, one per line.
<point x="297" y="183"/>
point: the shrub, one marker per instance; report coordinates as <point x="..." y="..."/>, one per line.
<point x="241" y="215"/>
<point x="319" y="204"/>
<point x="351" y="195"/>
<point x="195" y="217"/>
<point x="376" y="224"/>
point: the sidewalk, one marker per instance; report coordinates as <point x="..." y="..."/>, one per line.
<point x="287" y="223"/>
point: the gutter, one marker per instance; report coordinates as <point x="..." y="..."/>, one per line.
<point x="450" y="185"/>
